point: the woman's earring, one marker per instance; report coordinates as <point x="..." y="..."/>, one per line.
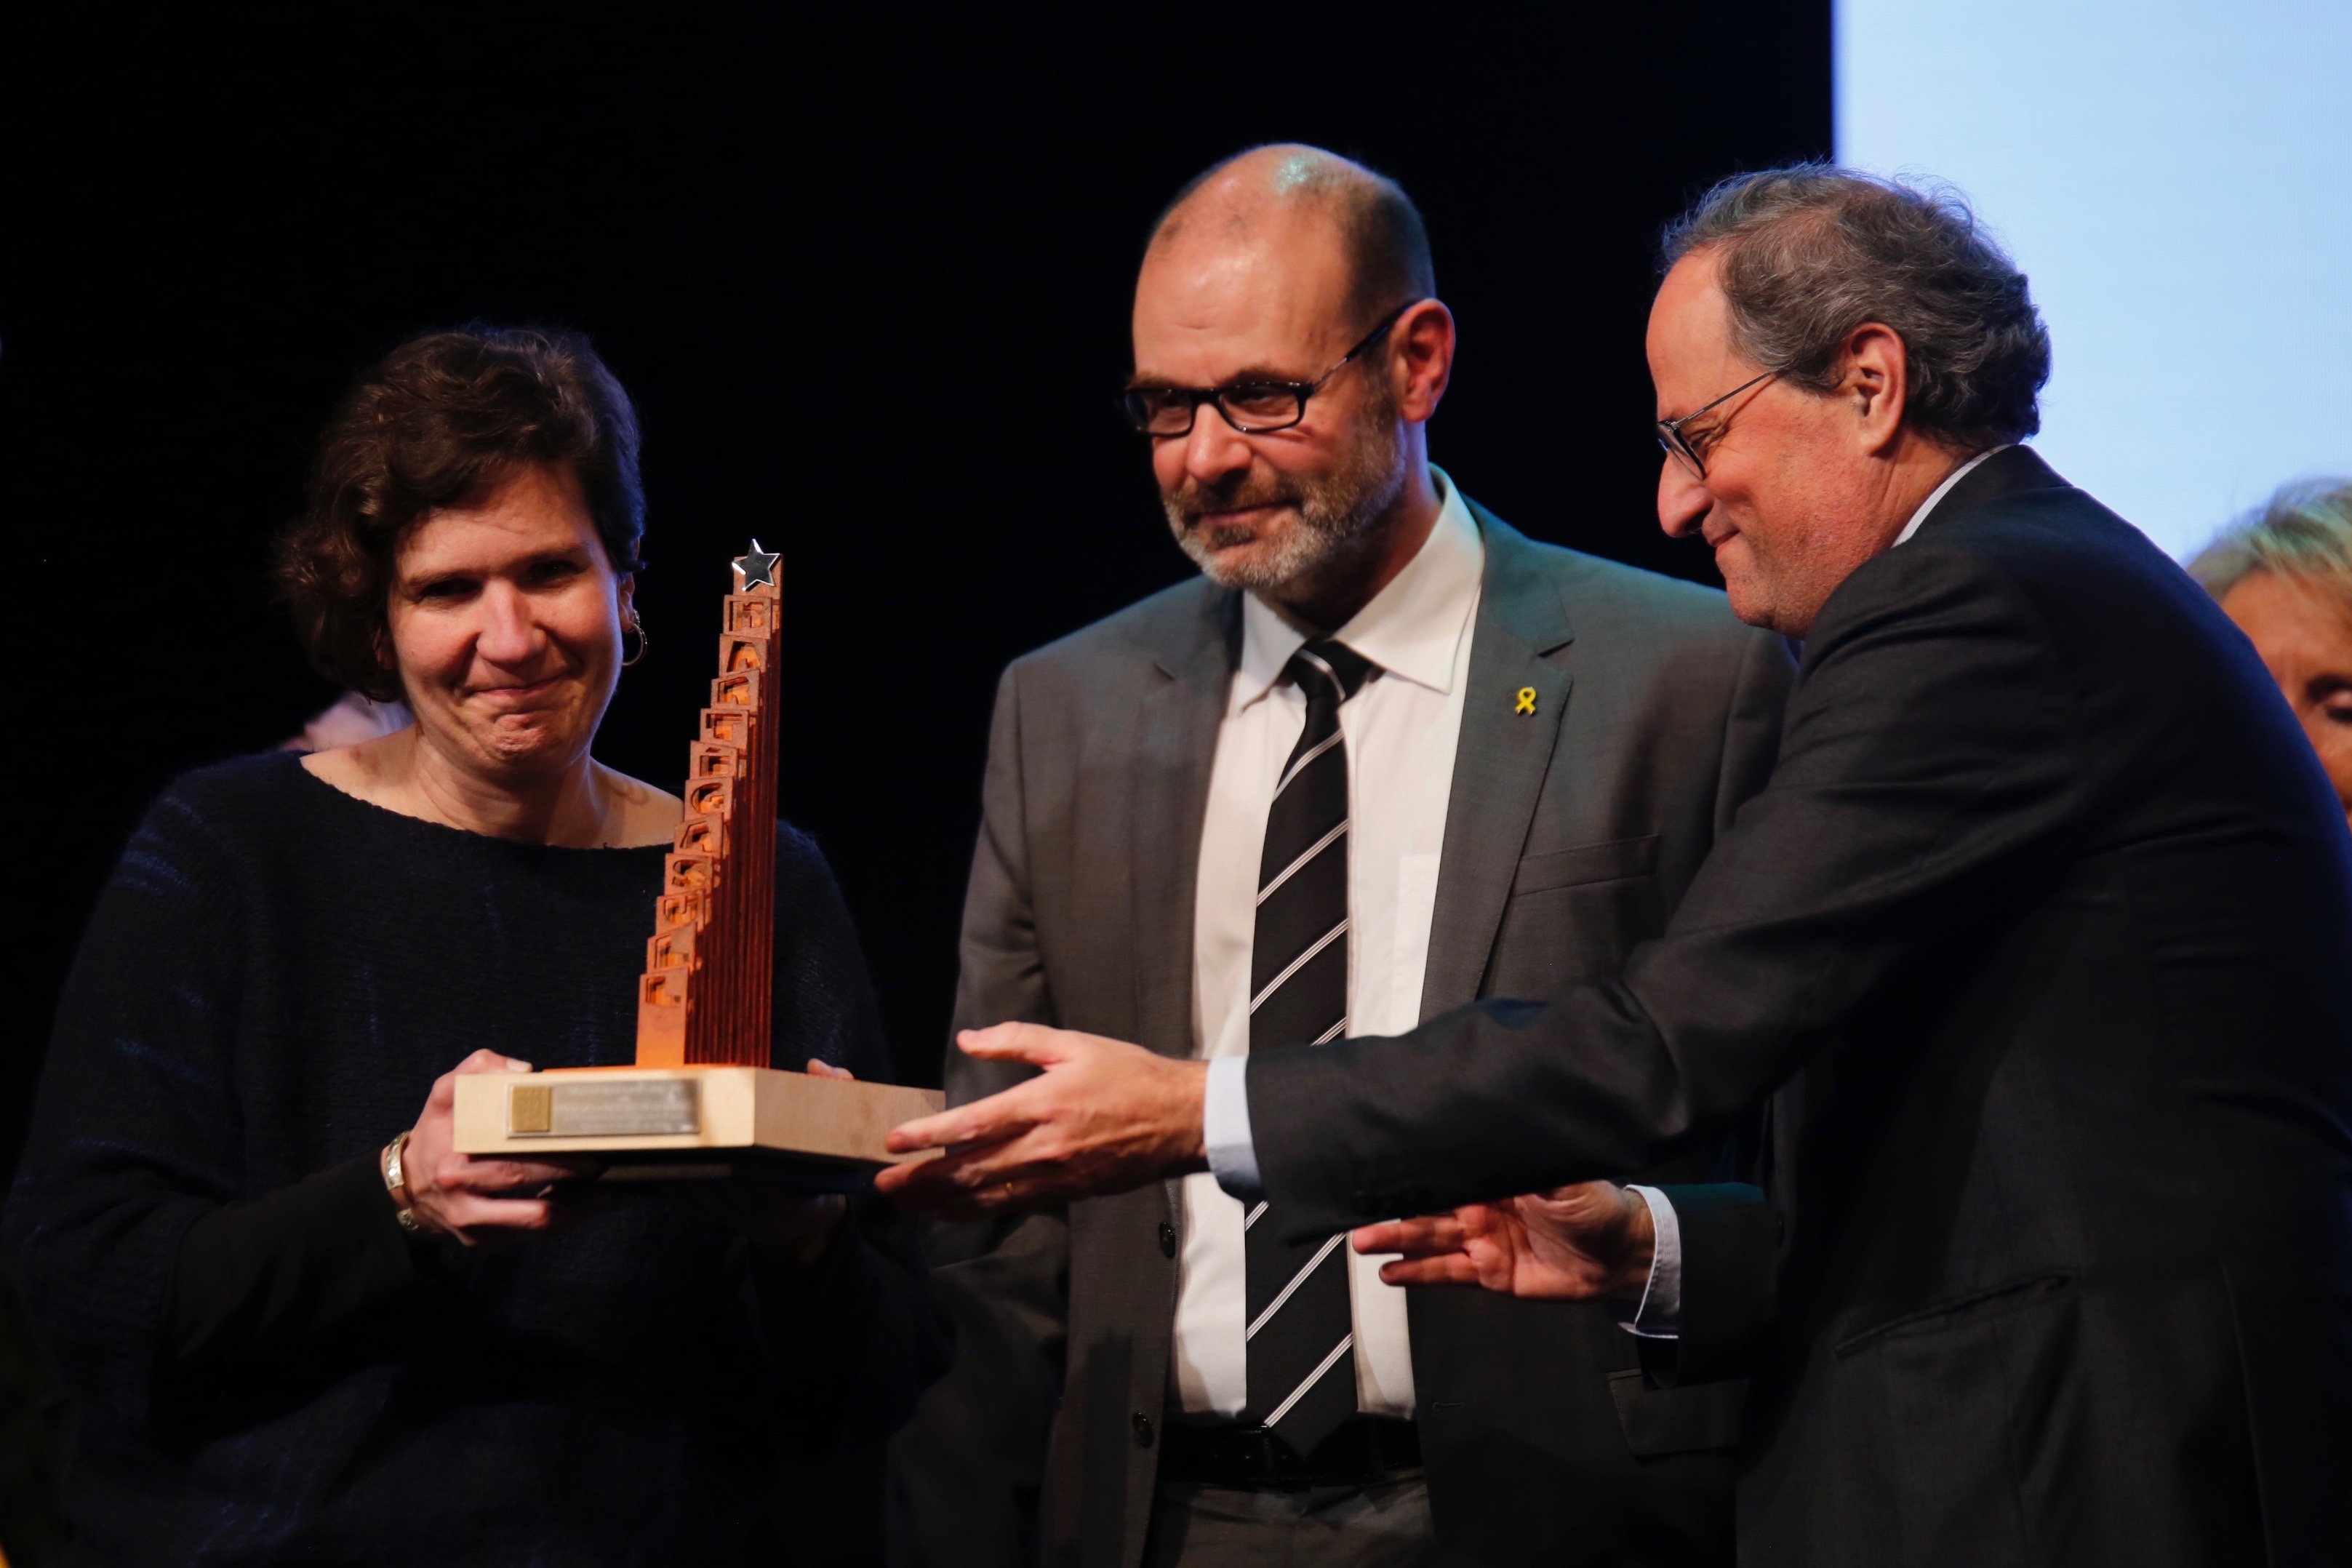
<point x="638" y="626"/>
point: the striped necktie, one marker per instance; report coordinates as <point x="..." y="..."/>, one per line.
<point x="1302" y="1374"/>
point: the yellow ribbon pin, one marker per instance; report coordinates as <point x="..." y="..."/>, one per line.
<point x="1526" y="700"/>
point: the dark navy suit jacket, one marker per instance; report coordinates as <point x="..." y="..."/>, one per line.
<point x="2040" y="941"/>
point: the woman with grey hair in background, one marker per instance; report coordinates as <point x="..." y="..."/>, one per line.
<point x="2285" y="574"/>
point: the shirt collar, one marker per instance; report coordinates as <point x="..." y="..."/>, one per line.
<point x="1940" y="492"/>
<point x="1411" y="629"/>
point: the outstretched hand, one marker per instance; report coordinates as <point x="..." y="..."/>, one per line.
<point x="1101" y="1117"/>
<point x="1589" y="1242"/>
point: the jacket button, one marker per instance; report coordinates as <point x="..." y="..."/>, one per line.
<point x="1167" y="1239"/>
<point x="1142" y="1430"/>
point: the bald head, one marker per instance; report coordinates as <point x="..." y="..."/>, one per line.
<point x="1286" y="325"/>
<point x="1289" y="186"/>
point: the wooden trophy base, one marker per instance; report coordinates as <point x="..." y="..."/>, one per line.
<point x="653" y="1123"/>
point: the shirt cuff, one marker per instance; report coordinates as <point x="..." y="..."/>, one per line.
<point x="1659" y="1314"/>
<point x="1225" y="1128"/>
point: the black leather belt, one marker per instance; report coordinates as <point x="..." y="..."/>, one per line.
<point x="1364" y="1451"/>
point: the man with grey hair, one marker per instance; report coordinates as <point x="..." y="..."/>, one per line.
<point x="2035" y="943"/>
<point x="1384" y="756"/>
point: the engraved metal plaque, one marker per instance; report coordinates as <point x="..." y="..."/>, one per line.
<point x="630" y="1108"/>
<point x="530" y="1110"/>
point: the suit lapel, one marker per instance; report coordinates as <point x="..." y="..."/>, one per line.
<point x="1176" y="744"/>
<point x="1500" y="762"/>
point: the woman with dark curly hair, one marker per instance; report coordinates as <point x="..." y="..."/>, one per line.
<point x="287" y="1353"/>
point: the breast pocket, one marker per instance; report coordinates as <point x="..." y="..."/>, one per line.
<point x="1574" y="914"/>
<point x="1609" y="861"/>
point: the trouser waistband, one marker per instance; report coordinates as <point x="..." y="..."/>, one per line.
<point x="1363" y="1451"/>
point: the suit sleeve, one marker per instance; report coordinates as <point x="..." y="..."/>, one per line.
<point x="1729" y="1267"/>
<point x="1728" y="1263"/>
<point x="967" y="1471"/>
<point x="1928" y="764"/>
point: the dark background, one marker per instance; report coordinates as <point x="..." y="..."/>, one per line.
<point x="866" y="276"/>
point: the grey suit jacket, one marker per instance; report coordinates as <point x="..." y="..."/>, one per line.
<point x="1570" y="836"/>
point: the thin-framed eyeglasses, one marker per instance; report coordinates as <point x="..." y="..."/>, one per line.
<point x="1679" y="447"/>
<point x="1251" y="407"/>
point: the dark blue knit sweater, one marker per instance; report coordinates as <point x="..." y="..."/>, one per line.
<point x="271" y="981"/>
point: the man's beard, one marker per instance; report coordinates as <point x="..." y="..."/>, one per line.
<point x="1333" y="514"/>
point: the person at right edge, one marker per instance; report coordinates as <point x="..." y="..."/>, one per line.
<point x="2034" y="942"/>
<point x="2284" y="576"/>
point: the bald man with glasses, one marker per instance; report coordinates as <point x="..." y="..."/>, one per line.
<point x="1384" y="756"/>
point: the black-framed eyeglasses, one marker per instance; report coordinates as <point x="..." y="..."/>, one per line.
<point x="1251" y="407"/>
<point x="1678" y="446"/>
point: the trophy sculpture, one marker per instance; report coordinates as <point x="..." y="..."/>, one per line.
<point x="702" y="1098"/>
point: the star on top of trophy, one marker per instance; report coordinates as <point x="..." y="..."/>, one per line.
<point x="757" y="570"/>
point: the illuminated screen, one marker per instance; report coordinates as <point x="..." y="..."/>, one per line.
<point x="2176" y="179"/>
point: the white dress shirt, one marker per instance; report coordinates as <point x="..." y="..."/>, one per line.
<point x="1920" y="513"/>
<point x="1401" y="730"/>
<point x="1233" y="1158"/>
